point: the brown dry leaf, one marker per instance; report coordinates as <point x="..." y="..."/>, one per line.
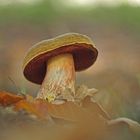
<point x="67" y="111"/>
<point x="7" y="99"/>
<point x="91" y="117"/>
<point x="89" y="123"/>
<point x="92" y="106"/>
<point x="33" y="107"/>
<point x="21" y="103"/>
<point x="40" y="108"/>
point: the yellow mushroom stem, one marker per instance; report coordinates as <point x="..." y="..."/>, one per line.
<point x="60" y="77"/>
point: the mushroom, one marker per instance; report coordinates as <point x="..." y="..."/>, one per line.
<point x="52" y="63"/>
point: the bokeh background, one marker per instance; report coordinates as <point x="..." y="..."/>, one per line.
<point x="114" y="26"/>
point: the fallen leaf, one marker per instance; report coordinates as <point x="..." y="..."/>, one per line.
<point x="41" y="108"/>
<point x="92" y="106"/>
<point x="90" y="110"/>
<point x="67" y="111"/>
<point x="7" y="99"/>
<point x="32" y="107"/>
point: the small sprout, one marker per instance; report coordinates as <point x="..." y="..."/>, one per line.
<point x="50" y="97"/>
<point x="83" y="91"/>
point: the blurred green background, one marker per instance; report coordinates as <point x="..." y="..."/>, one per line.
<point x="113" y="26"/>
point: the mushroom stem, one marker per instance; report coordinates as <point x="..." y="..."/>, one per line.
<point x="60" y="77"/>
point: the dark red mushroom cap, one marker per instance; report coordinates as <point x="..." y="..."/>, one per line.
<point x="80" y="46"/>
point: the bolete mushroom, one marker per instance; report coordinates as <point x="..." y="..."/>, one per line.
<point x="52" y="63"/>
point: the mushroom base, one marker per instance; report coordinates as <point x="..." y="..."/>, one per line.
<point x="59" y="79"/>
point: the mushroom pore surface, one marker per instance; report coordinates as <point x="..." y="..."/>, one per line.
<point x="59" y="78"/>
